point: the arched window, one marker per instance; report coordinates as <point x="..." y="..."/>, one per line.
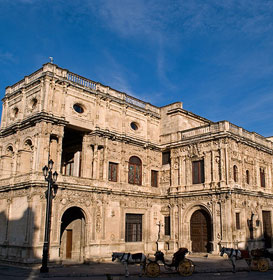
<point x="135" y="171"/>
<point x="28" y="145"/>
<point x="247" y="177"/>
<point x="9" y="151"/>
<point x="235" y="173"/>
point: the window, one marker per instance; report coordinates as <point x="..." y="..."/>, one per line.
<point x="135" y="171"/>
<point x="262" y="177"/>
<point x="154" y="178"/>
<point x="167" y="223"/>
<point x="78" y="108"/>
<point x="198" y="172"/>
<point x="166" y="157"/>
<point x="238" y="225"/>
<point x="235" y="173"/>
<point x="247" y="177"/>
<point x="133" y="228"/>
<point x="134" y="126"/>
<point x="113" y="172"/>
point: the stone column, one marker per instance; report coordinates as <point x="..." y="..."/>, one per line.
<point x="15" y="165"/>
<point x="77" y="162"/>
<point x="207" y="167"/>
<point x="29" y="222"/>
<point x="212" y="167"/>
<point x="257" y="174"/>
<point x="58" y="163"/>
<point x="7" y="219"/>
<point x="224" y="167"/>
<point x="95" y="162"/>
<point x="188" y="172"/>
<point x="175" y="171"/>
<point x="105" y="161"/>
<point x="174" y="230"/>
<point x="103" y="216"/>
<point x="269" y="177"/>
<point x="217" y="223"/>
<point x="87" y="158"/>
<point x="42" y="153"/>
<point x="45" y="84"/>
<point x="183" y="172"/>
<point x="36" y="149"/>
<point x="122" y="222"/>
<point x="53" y="150"/>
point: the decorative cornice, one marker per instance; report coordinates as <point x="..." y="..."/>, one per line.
<point x="124" y="138"/>
<point x="31" y="121"/>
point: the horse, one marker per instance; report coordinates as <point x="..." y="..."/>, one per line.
<point x="128" y="258"/>
<point x="235" y="254"/>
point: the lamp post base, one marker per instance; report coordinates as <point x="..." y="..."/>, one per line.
<point x="43" y="269"/>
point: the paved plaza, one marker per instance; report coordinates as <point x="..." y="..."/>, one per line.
<point x="206" y="266"/>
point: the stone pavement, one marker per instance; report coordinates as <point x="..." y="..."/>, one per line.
<point x="115" y="271"/>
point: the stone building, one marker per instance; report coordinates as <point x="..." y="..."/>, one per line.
<point x="132" y="176"/>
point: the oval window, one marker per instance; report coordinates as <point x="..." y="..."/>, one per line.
<point x="134" y="126"/>
<point x="78" y="108"/>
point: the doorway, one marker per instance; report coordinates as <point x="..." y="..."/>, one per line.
<point x="201" y="231"/>
<point x="267" y="228"/>
<point x="72" y="235"/>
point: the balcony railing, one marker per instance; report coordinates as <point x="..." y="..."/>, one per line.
<point x="80" y="80"/>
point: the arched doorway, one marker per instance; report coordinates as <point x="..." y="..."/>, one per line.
<point x="201" y="231"/>
<point x="72" y="235"/>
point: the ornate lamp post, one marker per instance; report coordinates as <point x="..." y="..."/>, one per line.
<point x="51" y="178"/>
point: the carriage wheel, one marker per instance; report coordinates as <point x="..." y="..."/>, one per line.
<point x="185" y="267"/>
<point x="263" y="265"/>
<point x="153" y="269"/>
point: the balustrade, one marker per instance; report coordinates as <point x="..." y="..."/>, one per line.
<point x="81" y="81"/>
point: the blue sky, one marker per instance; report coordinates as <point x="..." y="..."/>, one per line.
<point x="213" y="55"/>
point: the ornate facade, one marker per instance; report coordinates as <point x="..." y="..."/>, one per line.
<point x="132" y="176"/>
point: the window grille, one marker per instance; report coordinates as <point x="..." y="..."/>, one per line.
<point x="133" y="228"/>
<point x="135" y="171"/>
<point x="113" y="172"/>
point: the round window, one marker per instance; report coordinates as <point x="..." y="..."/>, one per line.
<point x="78" y="108"/>
<point x="134" y="126"/>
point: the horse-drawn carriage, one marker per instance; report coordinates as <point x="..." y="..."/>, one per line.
<point x="260" y="259"/>
<point x="256" y="259"/>
<point x="180" y="263"/>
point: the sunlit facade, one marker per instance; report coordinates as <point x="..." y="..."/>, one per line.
<point x="132" y="176"/>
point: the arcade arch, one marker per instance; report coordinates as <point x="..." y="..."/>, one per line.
<point x="73" y="234"/>
<point x="201" y="231"/>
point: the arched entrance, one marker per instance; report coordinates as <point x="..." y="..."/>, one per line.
<point x="72" y="235"/>
<point x="201" y="231"/>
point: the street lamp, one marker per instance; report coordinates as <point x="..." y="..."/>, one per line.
<point x="51" y="178"/>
